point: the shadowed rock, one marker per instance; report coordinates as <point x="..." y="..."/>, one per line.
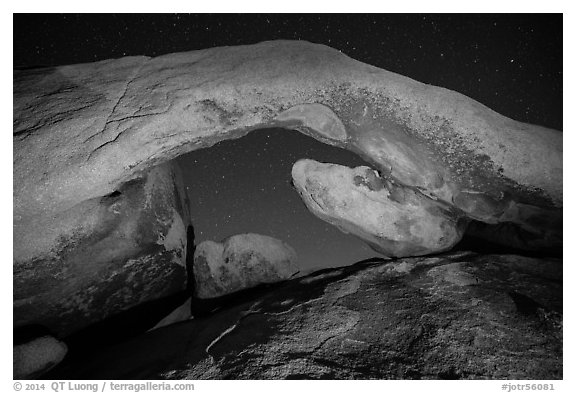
<point x="455" y="316"/>
<point x="104" y="255"/>
<point x="242" y="261"/>
<point x="181" y="313"/>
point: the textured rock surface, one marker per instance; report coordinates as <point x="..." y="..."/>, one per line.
<point x="455" y="316"/>
<point x="104" y="255"/>
<point x="240" y="262"/>
<point x="36" y="357"/>
<point x="393" y="220"/>
<point x="82" y="130"/>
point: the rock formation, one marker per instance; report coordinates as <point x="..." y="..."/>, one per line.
<point x="181" y="313"/>
<point x="36" y="357"/>
<point x="85" y="133"/>
<point x="393" y="220"/>
<point x="240" y="262"/>
<point x="458" y="316"/>
<point x="104" y="255"/>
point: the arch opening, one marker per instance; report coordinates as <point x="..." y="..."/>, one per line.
<point x="244" y="185"/>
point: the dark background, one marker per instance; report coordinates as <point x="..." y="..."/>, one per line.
<point x="511" y="63"/>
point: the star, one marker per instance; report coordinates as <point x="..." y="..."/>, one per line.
<point x="507" y="63"/>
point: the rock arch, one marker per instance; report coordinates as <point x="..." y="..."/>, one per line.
<point x="82" y="132"/>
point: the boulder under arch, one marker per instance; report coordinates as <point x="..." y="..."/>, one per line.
<point x="83" y="132"/>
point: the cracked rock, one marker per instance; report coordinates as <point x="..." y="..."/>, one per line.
<point x="83" y="132"/>
<point x="458" y="315"/>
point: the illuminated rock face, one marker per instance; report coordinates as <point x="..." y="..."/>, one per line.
<point x="241" y="262"/>
<point x="107" y="255"/>
<point x="82" y="132"/>
<point x="394" y="220"/>
<point x="459" y="315"/>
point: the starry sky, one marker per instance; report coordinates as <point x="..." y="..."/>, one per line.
<point x="243" y="185"/>
<point x="511" y="63"/>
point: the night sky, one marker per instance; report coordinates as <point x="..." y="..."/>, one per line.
<point x="511" y="63"/>
<point x="243" y="185"/>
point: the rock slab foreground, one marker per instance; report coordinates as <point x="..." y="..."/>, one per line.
<point x="456" y="316"/>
